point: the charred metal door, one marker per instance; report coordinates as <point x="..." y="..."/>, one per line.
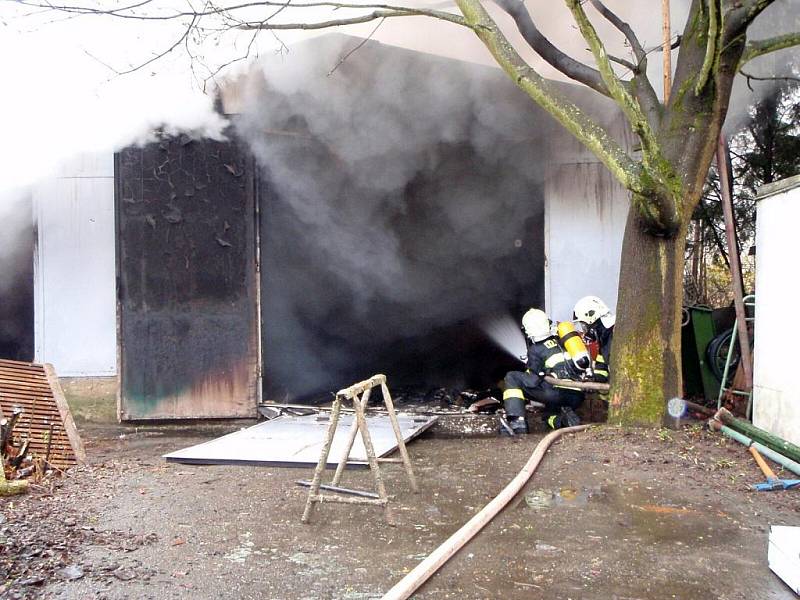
<point x="187" y="298"/>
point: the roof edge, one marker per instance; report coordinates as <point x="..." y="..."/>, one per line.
<point x="777" y="187"/>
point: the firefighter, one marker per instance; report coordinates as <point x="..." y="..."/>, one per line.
<point x="599" y="322"/>
<point x="545" y="357"/>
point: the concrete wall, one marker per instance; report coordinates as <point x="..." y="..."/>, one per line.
<point x="74" y="268"/>
<point x="776" y="398"/>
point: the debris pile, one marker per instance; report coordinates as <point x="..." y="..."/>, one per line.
<point x="20" y="465"/>
<point x="462" y="412"/>
<point x="38" y="437"/>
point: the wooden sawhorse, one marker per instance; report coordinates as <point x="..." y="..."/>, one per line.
<point x="362" y="389"/>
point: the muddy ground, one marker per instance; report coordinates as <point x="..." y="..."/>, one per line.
<point x="610" y="514"/>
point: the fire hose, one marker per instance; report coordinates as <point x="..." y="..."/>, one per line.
<point x="424" y="570"/>
<point x="581" y="385"/>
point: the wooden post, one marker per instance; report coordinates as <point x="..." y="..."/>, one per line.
<point x="371" y="459"/>
<point x="734" y="260"/>
<point x="401" y="444"/>
<point x="702" y="272"/>
<point x="696" y="255"/>
<point x="323" y="460"/>
<point x="667" y="49"/>
<point x="351" y="438"/>
<point x="66" y="416"/>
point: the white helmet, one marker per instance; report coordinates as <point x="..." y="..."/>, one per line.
<point x="536" y="325"/>
<point x="590" y="308"/>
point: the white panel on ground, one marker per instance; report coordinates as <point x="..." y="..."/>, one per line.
<point x="585" y="214"/>
<point x="296" y="441"/>
<point x="75" y="273"/>
<point x="776" y="399"/>
<point x="783" y="554"/>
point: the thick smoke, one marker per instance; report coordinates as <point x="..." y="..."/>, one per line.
<point x="16" y="276"/>
<point x="401" y="200"/>
<point x="61" y="98"/>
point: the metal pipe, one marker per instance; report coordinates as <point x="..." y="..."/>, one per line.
<point x="759" y="435"/>
<point x="736" y="268"/>
<point x="786" y="463"/>
<point x="340" y="490"/>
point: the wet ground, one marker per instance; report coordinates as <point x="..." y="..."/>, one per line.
<point x="610" y="514"/>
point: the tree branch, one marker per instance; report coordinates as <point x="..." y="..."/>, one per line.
<point x="625" y="63"/>
<point x="619" y="93"/>
<point x="627" y="31"/>
<point x="587" y="131"/>
<point x="376" y="14"/>
<point x="659" y="200"/>
<point x="640" y="86"/>
<point x="630" y="107"/>
<point x="758" y="48"/>
<point x="221" y="11"/>
<point x="557" y="59"/>
<point x="711" y="48"/>
<point x="355" y="49"/>
<point x="163" y="53"/>
<point x="741" y="15"/>
<point x="770" y="78"/>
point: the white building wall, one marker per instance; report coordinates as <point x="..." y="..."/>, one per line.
<point x="74" y="268"/>
<point x="776" y="399"/>
<point x="585" y="214"/>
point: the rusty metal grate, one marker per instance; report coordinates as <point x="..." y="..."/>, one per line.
<point x="34" y="389"/>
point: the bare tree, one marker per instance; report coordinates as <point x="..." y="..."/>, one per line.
<point x="677" y="139"/>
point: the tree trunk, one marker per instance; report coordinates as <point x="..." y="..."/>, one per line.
<point x="646" y="365"/>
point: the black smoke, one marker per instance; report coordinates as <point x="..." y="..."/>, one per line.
<point x="401" y="201"/>
<point x="16" y="277"/>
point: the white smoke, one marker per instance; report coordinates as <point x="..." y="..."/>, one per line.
<point x="61" y="97"/>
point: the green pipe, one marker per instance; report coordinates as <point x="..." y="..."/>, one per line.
<point x="786" y="463"/>
<point x="735" y="435"/>
<point x="759" y="435"/>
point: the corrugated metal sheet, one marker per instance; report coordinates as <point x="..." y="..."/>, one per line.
<point x="297" y="441"/>
<point x="30" y="387"/>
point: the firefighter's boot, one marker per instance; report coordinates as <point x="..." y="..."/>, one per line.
<point x="515" y="414"/>
<point x="565" y="418"/>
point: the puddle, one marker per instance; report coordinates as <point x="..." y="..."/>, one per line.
<point x="544" y="498"/>
<point x="635" y="512"/>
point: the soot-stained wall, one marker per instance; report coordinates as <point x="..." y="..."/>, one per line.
<point x="187" y="279"/>
<point x="401" y="202"/>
